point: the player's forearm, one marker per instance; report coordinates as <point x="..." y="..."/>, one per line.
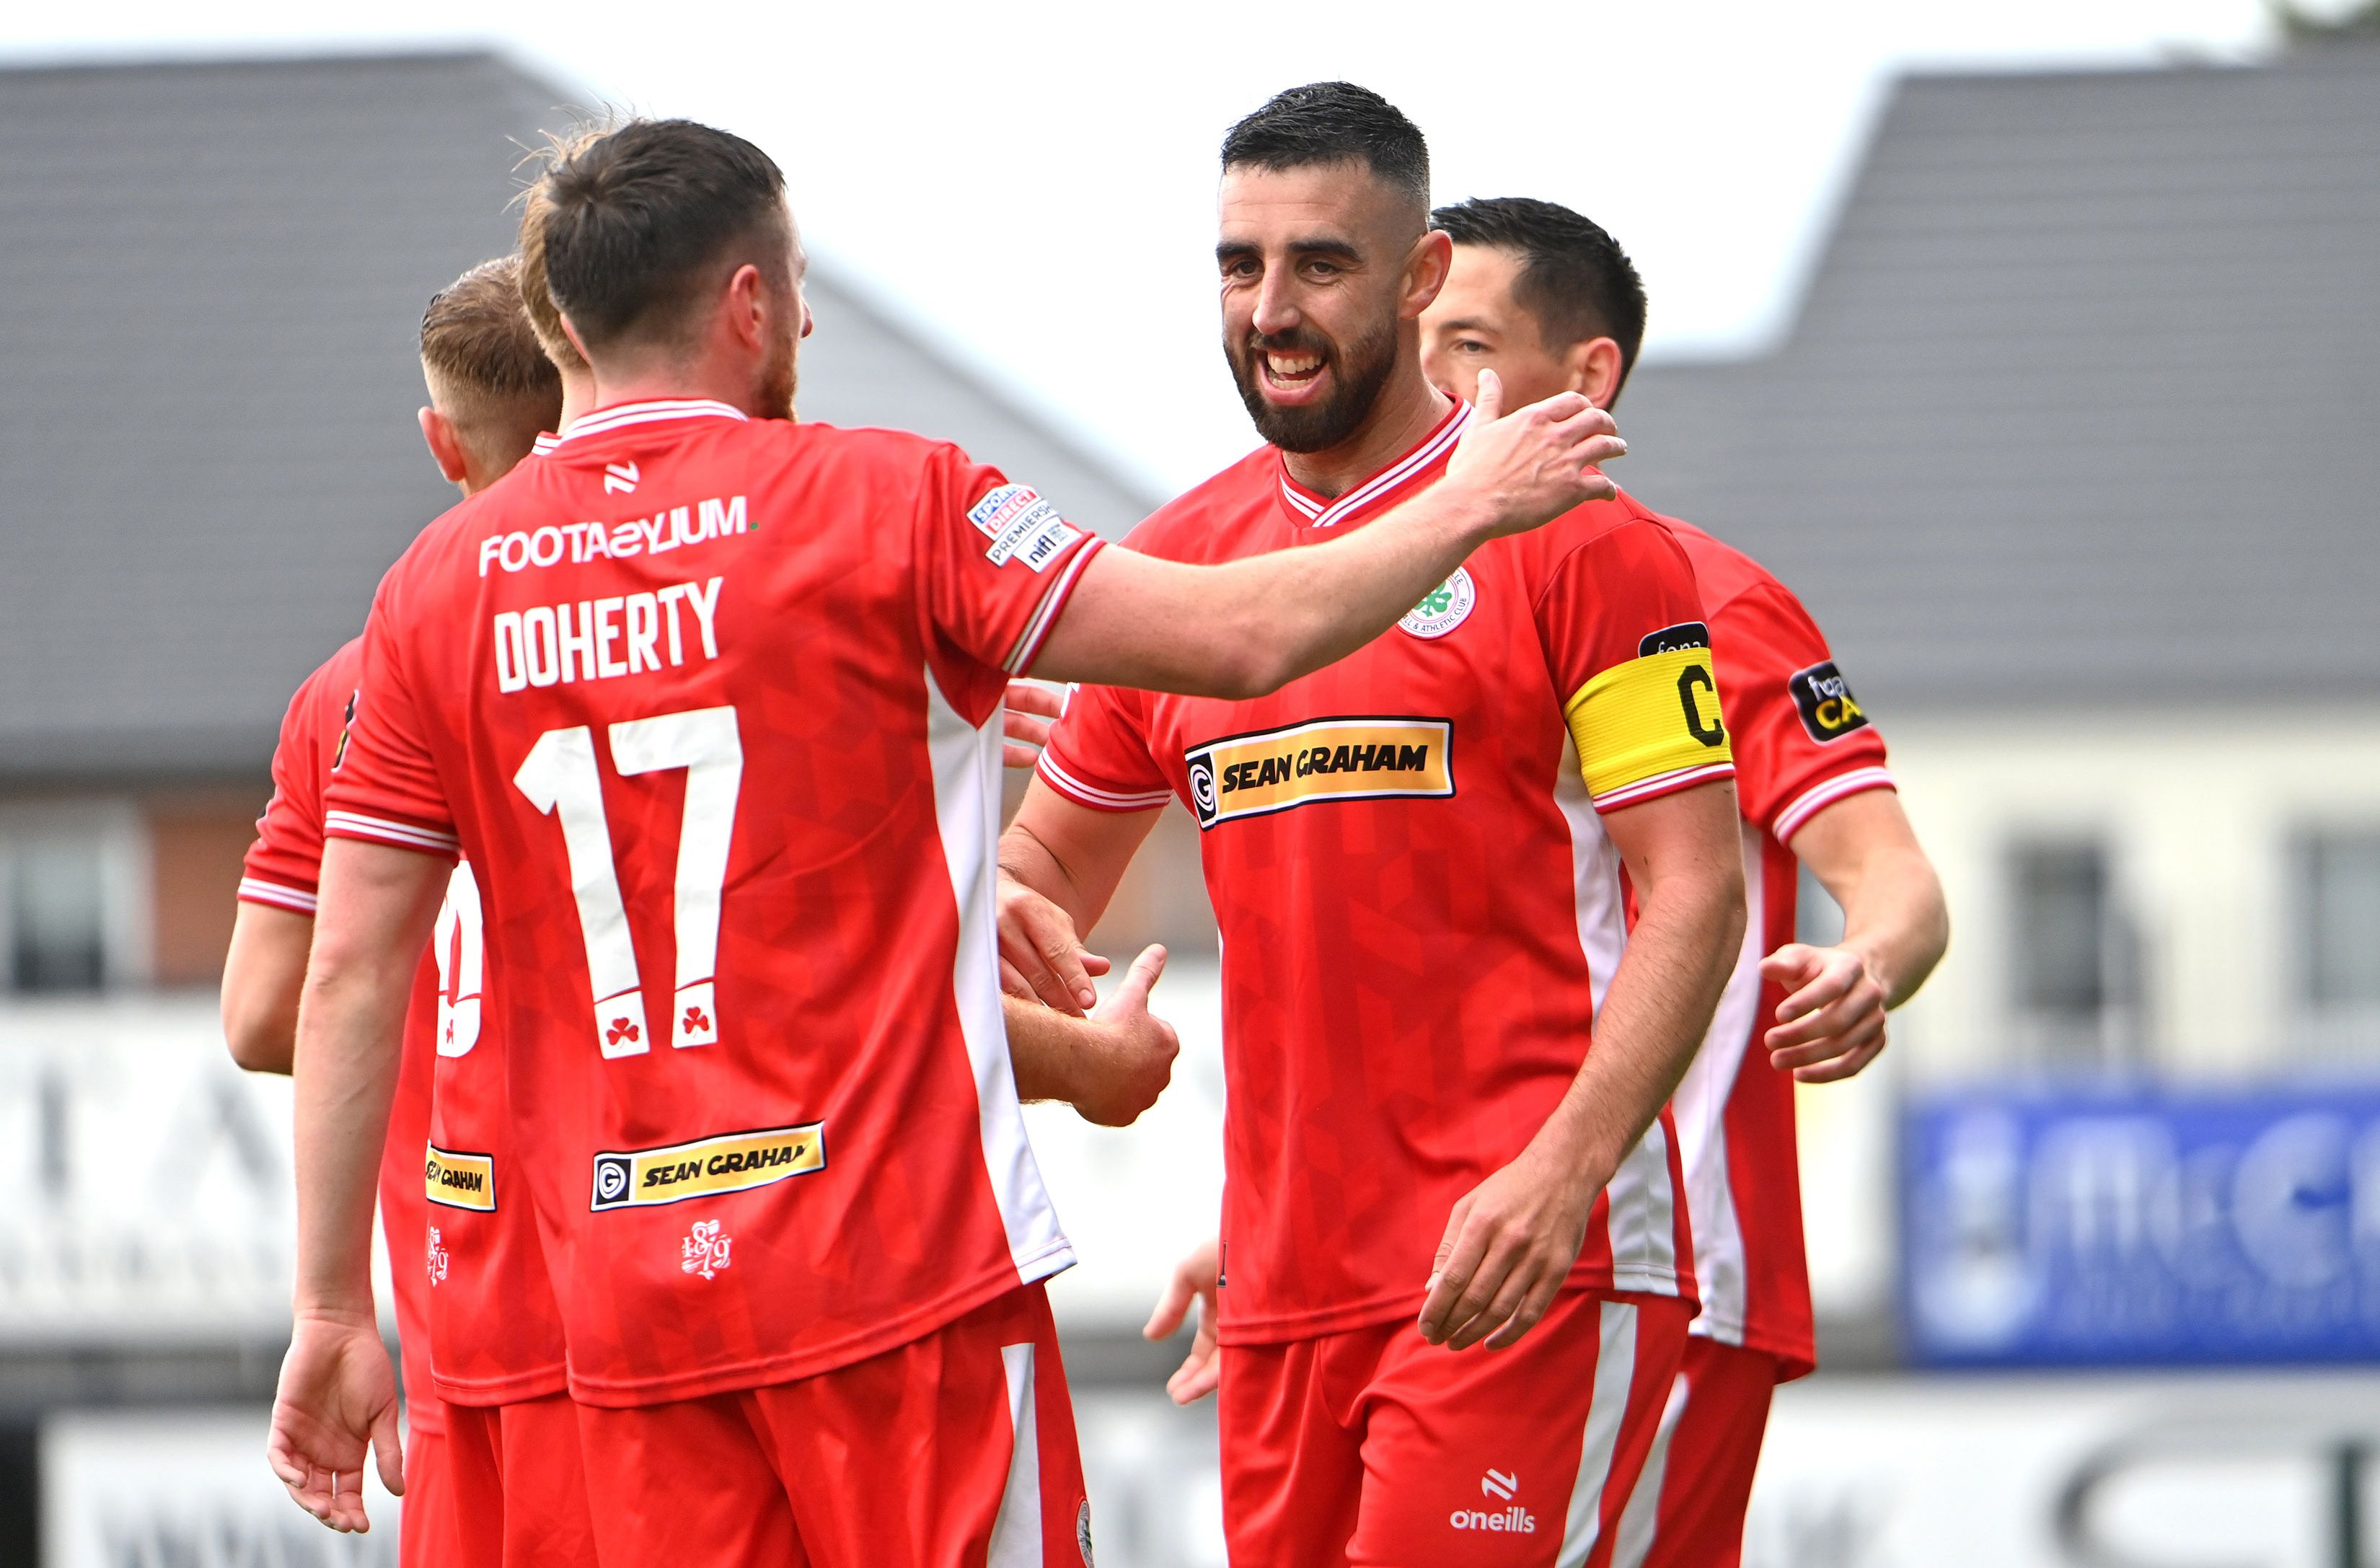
<point x="1027" y="856"/>
<point x="1045" y="1048"/>
<point x="1245" y="628"/>
<point x="1688" y="935"/>
<point x="1896" y="919"/>
<point x="377" y="906"/>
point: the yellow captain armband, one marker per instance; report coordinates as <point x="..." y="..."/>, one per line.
<point x="1652" y="722"/>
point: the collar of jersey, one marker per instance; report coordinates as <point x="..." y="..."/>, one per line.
<point x="1322" y="512"/>
<point x="621" y="415"/>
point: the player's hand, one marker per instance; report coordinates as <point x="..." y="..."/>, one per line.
<point x="1533" y="464"/>
<point x="1041" y="958"/>
<point x="1509" y="1246"/>
<point x="1135" y="1059"/>
<point x="337" y="1398"/>
<point x="1832" y="1025"/>
<point x="1195" y="1277"/>
<point x="1024" y="723"/>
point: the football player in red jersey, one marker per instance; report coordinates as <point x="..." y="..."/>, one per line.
<point x="1420" y="858"/>
<point x="1549" y="302"/>
<point x="488" y="1484"/>
<point x="706" y="697"/>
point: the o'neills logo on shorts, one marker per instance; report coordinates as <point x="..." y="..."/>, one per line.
<point x="708" y="1167"/>
<point x="1350" y="758"/>
<point x="459" y="1181"/>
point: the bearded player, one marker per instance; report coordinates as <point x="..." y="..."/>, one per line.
<point x="1549" y="302"/>
<point x="707" y="697"/>
<point x="1420" y="860"/>
<point x="492" y="1466"/>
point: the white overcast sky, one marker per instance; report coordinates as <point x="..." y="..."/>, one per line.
<point x="1035" y="183"/>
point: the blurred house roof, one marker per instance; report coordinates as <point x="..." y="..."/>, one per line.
<point x="211" y="279"/>
<point x="2083" y="403"/>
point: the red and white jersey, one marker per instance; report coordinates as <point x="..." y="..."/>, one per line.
<point x="1420" y="908"/>
<point x="711" y="705"/>
<point x="1801" y="743"/>
<point x="284" y="869"/>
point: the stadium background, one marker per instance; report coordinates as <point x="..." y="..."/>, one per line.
<point x="2061" y="425"/>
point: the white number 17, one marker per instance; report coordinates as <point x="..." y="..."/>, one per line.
<point x="560" y="779"/>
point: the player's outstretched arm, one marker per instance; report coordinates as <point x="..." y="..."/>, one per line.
<point x="1896" y="927"/>
<point x="1060" y="863"/>
<point x="1110" y="1066"/>
<point x="264" y="973"/>
<point x="1247" y="627"/>
<point x="1512" y="1240"/>
<point x="338" y="1394"/>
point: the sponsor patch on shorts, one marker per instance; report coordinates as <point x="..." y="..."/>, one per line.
<point x="457" y="1180"/>
<point x="1021" y="526"/>
<point x="1824" y="699"/>
<point x="1350" y="758"/>
<point x="707" y="1167"/>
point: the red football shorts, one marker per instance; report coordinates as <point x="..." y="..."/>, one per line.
<point x="955" y="1448"/>
<point x="429" y="1527"/>
<point x="1688" y="1511"/>
<point x="1373" y="1447"/>
<point x="515" y="1473"/>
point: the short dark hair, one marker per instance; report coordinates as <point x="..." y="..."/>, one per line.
<point x="1574" y="278"/>
<point x="623" y="225"/>
<point x="1333" y="122"/>
<point x="486" y="370"/>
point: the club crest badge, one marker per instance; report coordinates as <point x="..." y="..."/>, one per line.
<point x="1443" y="608"/>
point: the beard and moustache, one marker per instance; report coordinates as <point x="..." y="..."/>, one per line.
<point x="1359" y="372"/>
<point x="774" y="394"/>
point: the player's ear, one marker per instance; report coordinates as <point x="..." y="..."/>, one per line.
<point x="1426" y="266"/>
<point x="1594" y="366"/>
<point x="438" y="432"/>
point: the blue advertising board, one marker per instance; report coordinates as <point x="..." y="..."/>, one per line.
<point x="2110" y="1230"/>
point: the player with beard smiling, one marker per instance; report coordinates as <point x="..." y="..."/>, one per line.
<point x="1421" y="859"/>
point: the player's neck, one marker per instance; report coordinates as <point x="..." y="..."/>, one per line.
<point x="659" y="382"/>
<point x="1408" y="409"/>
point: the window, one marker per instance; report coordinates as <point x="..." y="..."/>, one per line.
<point x="2335" y="890"/>
<point x="56" y="914"/>
<point x="2074" y="958"/>
<point x="72" y="898"/>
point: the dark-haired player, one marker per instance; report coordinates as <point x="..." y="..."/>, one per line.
<point x="1420" y="858"/>
<point x="1547" y="300"/>
<point x="494" y="1479"/>
<point x="707" y="698"/>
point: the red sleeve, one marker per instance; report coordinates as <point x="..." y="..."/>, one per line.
<point x="1099" y="753"/>
<point x="1621" y="621"/>
<point x="283" y="867"/>
<point x="996" y="560"/>
<point x="386" y="789"/>
<point x="1800" y="739"/>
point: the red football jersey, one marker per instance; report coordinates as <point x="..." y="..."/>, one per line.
<point x="1420" y="908"/>
<point x="1801" y="744"/>
<point x="711" y="705"/>
<point x="282" y="870"/>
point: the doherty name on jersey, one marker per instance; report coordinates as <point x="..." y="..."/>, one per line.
<point x="602" y="639"/>
<point x="1349" y="759"/>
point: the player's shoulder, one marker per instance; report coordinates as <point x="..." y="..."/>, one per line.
<point x="1616" y="536"/>
<point x="1197" y="524"/>
<point x="1724" y="572"/>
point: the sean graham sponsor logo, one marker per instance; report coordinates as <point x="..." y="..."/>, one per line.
<point x="1344" y="759"/>
<point x="732" y="1163"/>
<point x="459" y="1181"/>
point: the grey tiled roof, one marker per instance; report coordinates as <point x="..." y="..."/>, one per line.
<point x="211" y="277"/>
<point x="2083" y="404"/>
